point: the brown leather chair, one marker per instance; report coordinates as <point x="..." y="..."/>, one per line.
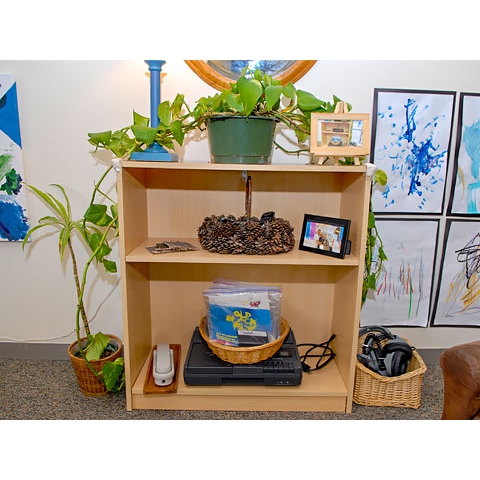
<point x="461" y="375"/>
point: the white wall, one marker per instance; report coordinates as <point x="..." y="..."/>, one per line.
<point x="61" y="101"/>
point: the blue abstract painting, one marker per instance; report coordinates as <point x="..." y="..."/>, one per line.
<point x="411" y="140"/>
<point x="465" y="198"/>
<point x="13" y="219"/>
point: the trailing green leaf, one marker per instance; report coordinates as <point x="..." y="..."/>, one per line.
<point x="114" y="375"/>
<point x="307" y="102"/>
<point x="165" y="113"/>
<point x="144" y="134"/>
<point x="96" y="345"/>
<point x="140" y="120"/>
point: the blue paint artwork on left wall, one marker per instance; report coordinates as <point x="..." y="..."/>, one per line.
<point x="9" y="119"/>
<point x="13" y="220"/>
<point x="13" y="223"/>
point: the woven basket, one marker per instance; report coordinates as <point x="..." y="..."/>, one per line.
<point x="376" y="390"/>
<point x="247" y="234"/>
<point x="87" y="381"/>
<point x="245" y="355"/>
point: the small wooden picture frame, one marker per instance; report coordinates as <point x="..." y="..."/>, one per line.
<point x="340" y="134"/>
<point x="325" y="235"/>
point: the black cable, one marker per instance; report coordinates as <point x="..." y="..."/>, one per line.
<point x="326" y="356"/>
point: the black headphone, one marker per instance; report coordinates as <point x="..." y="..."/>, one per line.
<point x="391" y="359"/>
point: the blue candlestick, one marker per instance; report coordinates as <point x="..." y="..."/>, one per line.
<point x="155" y="152"/>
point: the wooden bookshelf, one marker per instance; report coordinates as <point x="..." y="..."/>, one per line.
<point x="162" y="294"/>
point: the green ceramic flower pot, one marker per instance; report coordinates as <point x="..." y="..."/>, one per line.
<point x="241" y="139"/>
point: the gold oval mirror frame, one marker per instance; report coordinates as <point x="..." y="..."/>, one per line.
<point x="292" y="71"/>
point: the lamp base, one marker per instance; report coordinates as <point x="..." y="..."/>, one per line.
<point x="154" y="153"/>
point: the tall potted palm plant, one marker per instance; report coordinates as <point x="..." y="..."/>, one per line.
<point x="96" y="358"/>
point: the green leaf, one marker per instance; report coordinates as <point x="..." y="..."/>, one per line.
<point x="234" y="101"/>
<point x="165" y="113"/>
<point x="371" y="219"/>
<point x="101" y="138"/>
<point x="250" y="91"/>
<point x="121" y="144"/>
<point x="178" y="104"/>
<point x="63" y="239"/>
<point x="51" y="201"/>
<point x="289" y="90"/>
<point x="110" y="265"/>
<point x="140" y="120"/>
<point x="272" y="96"/>
<point x="144" y="134"/>
<point x="177" y="130"/>
<point x="371" y="281"/>
<point x="64" y="209"/>
<point x="98" y="343"/>
<point x="381" y="254"/>
<point x="114" y="375"/>
<point x="380" y="177"/>
<point x="307" y="102"/>
<point x="102" y="248"/>
<point x="97" y="214"/>
<point x="114" y="210"/>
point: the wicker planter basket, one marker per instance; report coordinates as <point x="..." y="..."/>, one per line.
<point x="404" y="390"/>
<point x="245" y="355"/>
<point x="87" y="381"/>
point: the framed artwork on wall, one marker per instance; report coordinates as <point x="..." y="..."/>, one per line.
<point x="13" y="219"/>
<point x="465" y="194"/>
<point x="404" y="288"/>
<point x="458" y="300"/>
<point x="411" y="137"/>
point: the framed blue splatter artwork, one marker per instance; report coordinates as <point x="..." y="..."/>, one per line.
<point x="13" y="219"/>
<point x="465" y="194"/>
<point x="411" y="138"/>
<point x="403" y="292"/>
<point x="458" y="294"/>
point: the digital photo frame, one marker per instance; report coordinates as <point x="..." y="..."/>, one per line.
<point x="325" y="235"/>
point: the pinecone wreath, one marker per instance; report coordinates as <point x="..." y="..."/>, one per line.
<point x="249" y="235"/>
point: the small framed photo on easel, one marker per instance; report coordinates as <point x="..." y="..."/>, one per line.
<point x="325" y="235"/>
<point x="340" y="134"/>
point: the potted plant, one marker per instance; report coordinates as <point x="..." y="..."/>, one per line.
<point x="254" y="95"/>
<point x="255" y="102"/>
<point x="96" y="358"/>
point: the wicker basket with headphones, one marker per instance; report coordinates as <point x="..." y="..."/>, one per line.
<point x="389" y="371"/>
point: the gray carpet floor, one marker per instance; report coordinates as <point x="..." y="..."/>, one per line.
<point x="47" y="390"/>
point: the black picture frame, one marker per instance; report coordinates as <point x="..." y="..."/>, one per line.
<point x="335" y="244"/>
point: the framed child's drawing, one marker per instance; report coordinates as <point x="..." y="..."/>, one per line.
<point x="411" y="133"/>
<point x="465" y="195"/>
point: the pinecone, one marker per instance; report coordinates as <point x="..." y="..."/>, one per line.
<point x="251" y="236"/>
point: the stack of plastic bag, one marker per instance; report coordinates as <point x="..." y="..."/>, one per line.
<point x="243" y="314"/>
